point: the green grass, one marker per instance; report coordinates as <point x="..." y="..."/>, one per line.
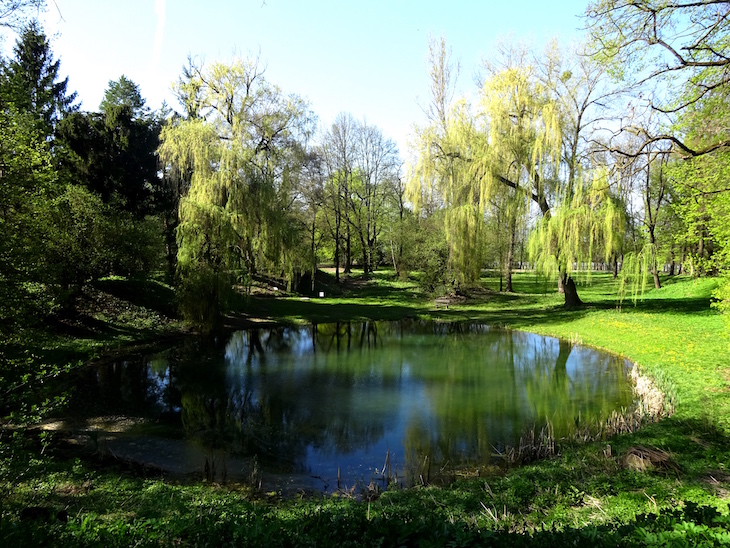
<point x="112" y="315"/>
<point x="588" y="495"/>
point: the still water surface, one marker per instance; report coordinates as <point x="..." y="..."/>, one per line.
<point x="318" y="403"/>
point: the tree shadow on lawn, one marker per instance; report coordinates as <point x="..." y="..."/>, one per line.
<point x="688" y="305"/>
<point x="528" y="312"/>
<point x="143" y="293"/>
<point x="321" y="311"/>
<point x="87" y="327"/>
<point x="518" y="317"/>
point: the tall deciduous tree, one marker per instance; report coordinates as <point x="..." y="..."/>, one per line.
<point x="520" y="145"/>
<point x="339" y="156"/>
<point x="378" y="165"/>
<point x="662" y="47"/>
<point x="511" y="152"/>
<point x="241" y="153"/>
<point x="441" y="176"/>
<point x="312" y="197"/>
<point x="664" y="42"/>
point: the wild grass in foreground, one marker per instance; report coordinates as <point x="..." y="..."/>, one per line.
<point x="606" y="493"/>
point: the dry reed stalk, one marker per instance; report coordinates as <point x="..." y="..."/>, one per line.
<point x="532" y="446"/>
<point x="651" y="399"/>
<point x="646" y="458"/>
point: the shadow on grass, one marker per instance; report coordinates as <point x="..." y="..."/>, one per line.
<point x="321" y="311"/>
<point x="144" y="293"/>
<point x="679" y="305"/>
<point x="87" y="327"/>
<point x="517" y="317"/>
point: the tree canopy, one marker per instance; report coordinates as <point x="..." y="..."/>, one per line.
<point x="30" y="81"/>
<point x="611" y="154"/>
<point x="241" y="149"/>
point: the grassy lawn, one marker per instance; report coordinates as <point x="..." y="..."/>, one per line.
<point x="591" y="494"/>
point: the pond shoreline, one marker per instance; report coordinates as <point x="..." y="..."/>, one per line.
<point x="625" y="420"/>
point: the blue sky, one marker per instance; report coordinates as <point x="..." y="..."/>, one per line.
<point x="367" y="58"/>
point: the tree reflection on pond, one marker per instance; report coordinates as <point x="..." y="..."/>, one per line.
<point x="334" y="399"/>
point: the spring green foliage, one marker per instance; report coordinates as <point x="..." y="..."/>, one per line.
<point x="701" y="187"/>
<point x="588" y="227"/>
<point x="441" y="176"/>
<point x="241" y="154"/>
<point x="663" y="42"/>
<point x="700" y="183"/>
<point x="509" y="145"/>
<point x="705" y="211"/>
<point x="522" y="140"/>
<point x="680" y="49"/>
<point x="359" y="177"/>
<point x="26" y="182"/>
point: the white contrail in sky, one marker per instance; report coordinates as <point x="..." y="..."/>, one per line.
<point x="159" y="33"/>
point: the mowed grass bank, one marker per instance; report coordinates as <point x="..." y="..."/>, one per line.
<point x="672" y="333"/>
<point x="591" y="494"/>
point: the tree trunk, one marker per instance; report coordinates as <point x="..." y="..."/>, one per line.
<point x="395" y="263"/>
<point x="314" y="253"/>
<point x="680" y="266"/>
<point x="508" y="260"/>
<point x="337" y="251"/>
<point x="348" y="252"/>
<point x="654" y="265"/>
<point x="561" y="280"/>
<point x="571" y="293"/>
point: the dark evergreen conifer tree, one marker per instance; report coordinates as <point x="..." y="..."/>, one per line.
<point x="31" y="83"/>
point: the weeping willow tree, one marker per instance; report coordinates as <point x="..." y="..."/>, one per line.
<point x="517" y="153"/>
<point x="442" y="178"/>
<point x="240" y="144"/>
<point x="587" y="224"/>
<point x="521" y="145"/>
<point x="508" y="151"/>
<point x="522" y="152"/>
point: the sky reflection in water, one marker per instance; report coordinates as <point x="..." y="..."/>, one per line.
<point x="337" y="398"/>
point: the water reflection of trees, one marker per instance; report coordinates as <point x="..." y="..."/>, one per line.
<point x="300" y="394"/>
<point x="503" y="385"/>
<point x="282" y="393"/>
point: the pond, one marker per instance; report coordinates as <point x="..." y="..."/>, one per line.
<point x="335" y="405"/>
